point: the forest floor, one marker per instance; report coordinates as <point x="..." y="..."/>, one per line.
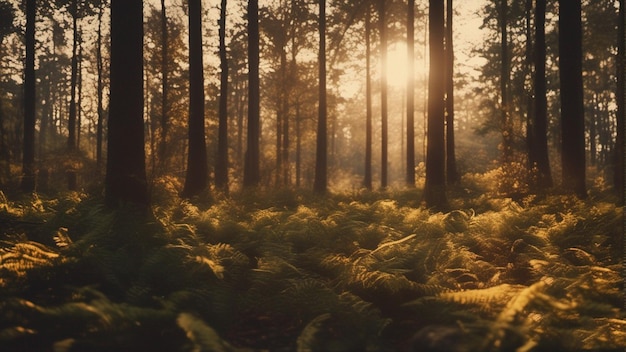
<point x="289" y="271"/>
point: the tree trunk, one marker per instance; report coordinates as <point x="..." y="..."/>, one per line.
<point x="126" y="170"/>
<point x="252" y="172"/>
<point x="197" y="168"/>
<point x="572" y="107"/>
<point x="410" y="95"/>
<point x="162" y="152"/>
<point x="540" y="125"/>
<point x="452" y="175"/>
<point x="321" y="163"/>
<point x="221" y="161"/>
<point x="618" y="173"/>
<point x="530" y="100"/>
<point x="71" y="123"/>
<point x="28" y="156"/>
<point x="383" y="93"/>
<point x="100" y="87"/>
<point x="435" y="187"/>
<point x="367" y="182"/>
<point x="505" y="124"/>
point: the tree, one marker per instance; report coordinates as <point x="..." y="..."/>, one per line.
<point x="221" y="163"/>
<point x="100" y="87"/>
<point x="367" y="182"/>
<point x="28" y="156"/>
<point x="505" y="124"/>
<point x="540" y="125"/>
<point x="435" y="187"/>
<point x="251" y="170"/>
<point x="125" y="179"/>
<point x="197" y="168"/>
<point x="572" y="105"/>
<point x="410" y="95"/>
<point x="618" y="173"/>
<point x="382" y="26"/>
<point x="320" y="183"/>
<point x="451" y="172"/>
<point x="164" y="88"/>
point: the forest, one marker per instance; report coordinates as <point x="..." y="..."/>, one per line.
<point x="328" y="175"/>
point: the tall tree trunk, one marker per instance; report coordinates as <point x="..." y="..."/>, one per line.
<point x="164" y="90"/>
<point x="367" y="181"/>
<point x="505" y="124"/>
<point x="530" y="100"/>
<point x="452" y="174"/>
<point x="126" y="169"/>
<point x="285" y="112"/>
<point x="100" y="87"/>
<point x="321" y="161"/>
<point x="71" y="123"/>
<point x="28" y="155"/>
<point x="435" y="187"/>
<point x="251" y="171"/>
<point x="197" y="168"/>
<point x="540" y="125"/>
<point x="572" y="107"/>
<point x="618" y="173"/>
<point x="221" y="161"/>
<point x="383" y="93"/>
<point x="410" y="95"/>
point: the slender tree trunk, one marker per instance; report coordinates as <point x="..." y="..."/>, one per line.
<point x="28" y="156"/>
<point x="383" y="93"/>
<point x="452" y="174"/>
<point x="252" y="172"/>
<point x="530" y="113"/>
<point x="572" y="107"/>
<point x="410" y="95"/>
<point x="71" y="124"/>
<point x="540" y="133"/>
<point x="435" y="187"/>
<point x="221" y="163"/>
<point x="100" y="87"/>
<point x="505" y="124"/>
<point x="197" y="168"/>
<point x="368" y="101"/>
<point x="162" y="152"/>
<point x="285" y="112"/>
<point x="126" y="169"/>
<point x="618" y="175"/>
<point x="321" y="163"/>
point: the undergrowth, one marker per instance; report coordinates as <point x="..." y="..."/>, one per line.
<point x="292" y="271"/>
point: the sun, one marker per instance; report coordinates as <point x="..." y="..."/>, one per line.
<point x="398" y="67"/>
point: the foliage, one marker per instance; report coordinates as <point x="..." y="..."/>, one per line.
<point x="292" y="271"/>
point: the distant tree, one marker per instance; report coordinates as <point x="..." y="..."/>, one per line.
<point x="540" y="125"/>
<point x="221" y="163"/>
<point x="382" y="27"/>
<point x="321" y="164"/>
<point x="505" y="124"/>
<point x="164" y="89"/>
<point x="100" y="88"/>
<point x="125" y="179"/>
<point x="410" y="95"/>
<point x="28" y="153"/>
<point x="451" y="171"/>
<point x="572" y="105"/>
<point x="435" y="187"/>
<point x="251" y="171"/>
<point x="367" y="182"/>
<point x="197" y="168"/>
<point x="7" y="16"/>
<point x="618" y="173"/>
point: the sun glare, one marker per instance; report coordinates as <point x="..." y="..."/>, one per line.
<point x="398" y="67"/>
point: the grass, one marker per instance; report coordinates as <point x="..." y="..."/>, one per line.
<point x="291" y="271"/>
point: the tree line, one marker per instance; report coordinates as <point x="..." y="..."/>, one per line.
<point x="280" y="69"/>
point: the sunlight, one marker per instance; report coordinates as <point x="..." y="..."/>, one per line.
<point x="398" y="67"/>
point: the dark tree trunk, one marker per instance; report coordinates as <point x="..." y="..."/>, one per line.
<point x="505" y="124"/>
<point x="321" y="163"/>
<point x="28" y="156"/>
<point x="251" y="171"/>
<point x="164" y="90"/>
<point x="100" y="87"/>
<point x="126" y="170"/>
<point x="382" y="25"/>
<point x="410" y="95"/>
<point x="367" y="182"/>
<point x="540" y="125"/>
<point x="618" y="175"/>
<point x="221" y="161"/>
<point x="71" y="123"/>
<point x="530" y="100"/>
<point x="197" y="168"/>
<point x="572" y="108"/>
<point x="435" y="187"/>
<point x="452" y="175"/>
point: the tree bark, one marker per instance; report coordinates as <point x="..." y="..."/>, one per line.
<point x="164" y="90"/>
<point x="410" y="95"/>
<point x="367" y="182"/>
<point x="572" y="107"/>
<point x="321" y="163"/>
<point x="505" y="124"/>
<point x="28" y="156"/>
<point x="382" y="25"/>
<point x="100" y="87"/>
<point x="125" y="179"/>
<point x="452" y="174"/>
<point x="252" y="172"/>
<point x="197" y="168"/>
<point x="221" y="162"/>
<point x="618" y="173"/>
<point x="435" y="187"/>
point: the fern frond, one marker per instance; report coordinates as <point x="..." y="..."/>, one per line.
<point x="204" y="337"/>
